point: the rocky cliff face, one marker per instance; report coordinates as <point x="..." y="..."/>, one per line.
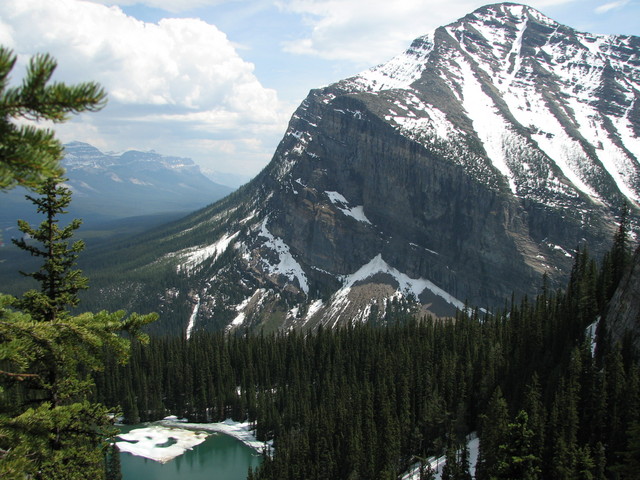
<point x="623" y="314"/>
<point x="461" y="170"/>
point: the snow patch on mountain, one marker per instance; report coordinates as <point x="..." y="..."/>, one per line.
<point x="428" y="122"/>
<point x="287" y="265"/>
<point x="137" y="181"/>
<point x="194" y="257"/>
<point x="399" y="72"/>
<point x="254" y="301"/>
<point x="343" y="205"/>
<point x="514" y="56"/>
<point x="614" y="159"/>
<point x="490" y="126"/>
<point x="407" y="285"/>
<point x="192" y="318"/>
<point x="313" y="309"/>
<point x="530" y="109"/>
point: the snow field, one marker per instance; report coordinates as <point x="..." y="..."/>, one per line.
<point x="287" y="265"/>
<point x="148" y="442"/>
<point x="343" y="205"/>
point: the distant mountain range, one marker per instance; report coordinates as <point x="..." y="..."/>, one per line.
<point x="108" y="187"/>
<point x="461" y="170"/>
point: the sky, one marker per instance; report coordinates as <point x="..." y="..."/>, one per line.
<point x="218" y="80"/>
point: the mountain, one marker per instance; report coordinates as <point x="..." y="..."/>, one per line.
<point x="460" y="171"/>
<point x="623" y="314"/>
<point x="108" y="187"/>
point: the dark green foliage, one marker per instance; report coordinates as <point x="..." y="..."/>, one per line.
<point x="493" y="431"/>
<point x="425" y="471"/>
<point x="59" y="281"/>
<point x="48" y="428"/>
<point x="517" y="454"/>
<point x="113" y="469"/>
<point x="620" y="253"/>
<point x="457" y="462"/>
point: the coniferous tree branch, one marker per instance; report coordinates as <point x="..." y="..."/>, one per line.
<point x="28" y="154"/>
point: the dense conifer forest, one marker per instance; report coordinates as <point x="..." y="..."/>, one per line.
<point x="547" y="392"/>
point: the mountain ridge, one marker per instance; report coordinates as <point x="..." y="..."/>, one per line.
<point x="108" y="186"/>
<point x="462" y="170"/>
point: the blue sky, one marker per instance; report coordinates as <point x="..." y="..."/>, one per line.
<point x="218" y="80"/>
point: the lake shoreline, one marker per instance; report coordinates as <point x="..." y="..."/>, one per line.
<point x="242" y="431"/>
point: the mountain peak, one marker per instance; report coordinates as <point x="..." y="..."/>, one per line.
<point x="462" y="169"/>
<point x="508" y="11"/>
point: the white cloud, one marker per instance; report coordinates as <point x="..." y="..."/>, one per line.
<point x="373" y="32"/>
<point x="604" y="8"/>
<point x="171" y="83"/>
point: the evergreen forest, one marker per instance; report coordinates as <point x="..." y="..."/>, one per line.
<point x="547" y="392"/>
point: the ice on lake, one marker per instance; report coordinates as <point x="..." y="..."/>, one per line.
<point x="160" y="443"/>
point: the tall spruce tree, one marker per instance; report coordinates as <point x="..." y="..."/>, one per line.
<point x="620" y="252"/>
<point x="59" y="281"/>
<point x="494" y="427"/>
<point x="518" y="459"/>
<point x="48" y="427"/>
<point x="49" y="354"/>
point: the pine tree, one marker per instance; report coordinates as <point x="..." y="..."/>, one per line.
<point x="517" y="457"/>
<point x="451" y="466"/>
<point x="629" y="466"/>
<point x="29" y="155"/>
<point x="114" y="471"/>
<point x="620" y="251"/>
<point x="494" y="425"/>
<point x="48" y="428"/>
<point x="599" y="461"/>
<point x="536" y="416"/>
<point x="48" y="356"/>
<point x="465" y="467"/>
<point x="425" y="470"/>
<point x="457" y="462"/>
<point x="59" y="281"/>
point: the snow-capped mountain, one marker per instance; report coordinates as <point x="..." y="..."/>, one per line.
<point x="554" y="110"/>
<point x="461" y="170"/>
<point x="111" y="186"/>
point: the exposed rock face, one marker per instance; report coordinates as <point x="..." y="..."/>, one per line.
<point x="623" y="314"/>
<point x="459" y="171"/>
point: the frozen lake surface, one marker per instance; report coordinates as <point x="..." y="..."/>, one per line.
<point x="172" y="450"/>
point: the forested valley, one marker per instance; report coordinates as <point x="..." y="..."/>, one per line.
<point x="540" y="382"/>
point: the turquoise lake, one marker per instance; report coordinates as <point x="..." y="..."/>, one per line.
<point x="220" y="457"/>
